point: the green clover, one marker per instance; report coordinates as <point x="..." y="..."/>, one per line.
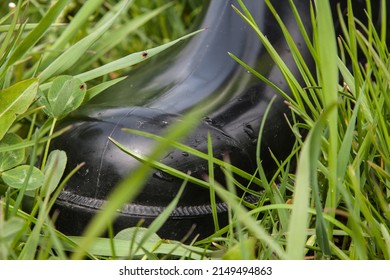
<point x="64" y="96"/>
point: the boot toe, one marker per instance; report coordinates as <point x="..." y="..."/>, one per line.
<point x="106" y="165"/>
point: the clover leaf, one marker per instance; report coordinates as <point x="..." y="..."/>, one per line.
<point x="65" y="95"/>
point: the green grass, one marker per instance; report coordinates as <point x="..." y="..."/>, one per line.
<point x="334" y="205"/>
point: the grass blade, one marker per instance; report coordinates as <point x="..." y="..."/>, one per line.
<point x="129" y="60"/>
<point x="115" y="36"/>
<point x="306" y="178"/>
<point x="327" y="52"/>
<point x="243" y="217"/>
<point x="162" y="218"/>
<point x="74" y="53"/>
<point x="211" y="180"/>
<point x="43" y="26"/>
<point x="87" y="9"/>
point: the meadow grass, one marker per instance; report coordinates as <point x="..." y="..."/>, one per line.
<point x="333" y="205"/>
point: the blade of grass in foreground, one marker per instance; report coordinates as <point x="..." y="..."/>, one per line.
<point x="110" y="40"/>
<point x="124" y="62"/>
<point x="211" y="180"/>
<point x="82" y="16"/>
<point x="162" y="218"/>
<point x="102" y="247"/>
<point x="327" y="66"/>
<point x="33" y="37"/>
<point x="130" y="60"/>
<point x="244" y="217"/>
<point x="75" y="52"/>
<point x="306" y="179"/>
<point x="11" y="30"/>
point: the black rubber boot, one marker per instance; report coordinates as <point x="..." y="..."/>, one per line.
<point x="156" y="95"/>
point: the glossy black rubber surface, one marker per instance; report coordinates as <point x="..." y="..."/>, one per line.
<point x="156" y="94"/>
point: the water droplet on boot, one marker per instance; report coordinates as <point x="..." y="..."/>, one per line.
<point x="208" y="120"/>
<point x="163" y="176"/>
<point x="196" y="143"/>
